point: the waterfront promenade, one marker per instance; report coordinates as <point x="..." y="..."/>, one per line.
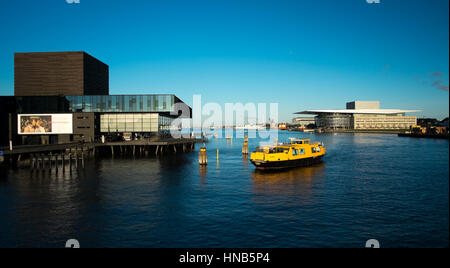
<point x="26" y="153"/>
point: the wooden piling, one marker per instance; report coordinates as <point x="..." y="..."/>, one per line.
<point x="32" y="161"/>
<point x="56" y="162"/>
<point x="202" y="157"/>
<point x="245" y="146"/>
<point x="63" y="162"/>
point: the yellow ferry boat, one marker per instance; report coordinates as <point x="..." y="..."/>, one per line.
<point x="298" y="153"/>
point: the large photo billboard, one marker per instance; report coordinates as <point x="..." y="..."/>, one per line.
<point x="38" y="124"/>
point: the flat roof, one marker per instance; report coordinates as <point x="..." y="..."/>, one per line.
<point x="360" y="111"/>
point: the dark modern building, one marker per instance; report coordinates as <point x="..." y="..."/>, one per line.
<point x="428" y="122"/>
<point x="63" y="98"/>
<point x="59" y="73"/>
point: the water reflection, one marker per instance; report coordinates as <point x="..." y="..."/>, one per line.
<point x="169" y="201"/>
<point x="245" y="160"/>
<point x="203" y="171"/>
<point x="58" y="198"/>
<point x="297" y="183"/>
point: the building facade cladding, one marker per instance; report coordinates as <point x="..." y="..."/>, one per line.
<point x="383" y="121"/>
<point x="365" y="121"/>
<point x="357" y="105"/>
<point x="85" y="127"/>
<point x="59" y="74"/>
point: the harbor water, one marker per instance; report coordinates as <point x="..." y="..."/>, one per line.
<point x="370" y="186"/>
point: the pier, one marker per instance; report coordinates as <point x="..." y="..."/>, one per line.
<point x="75" y="154"/>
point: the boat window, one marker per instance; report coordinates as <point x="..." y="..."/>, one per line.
<point x="280" y="150"/>
<point x="302" y="151"/>
<point x="306" y="142"/>
<point x="259" y="150"/>
<point x="318" y="149"/>
<point x="313" y="149"/>
<point x="295" y="152"/>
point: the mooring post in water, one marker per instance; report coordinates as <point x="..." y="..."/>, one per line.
<point x="76" y="160"/>
<point x="70" y="162"/>
<point x="64" y="162"/>
<point x="82" y="159"/>
<point x="56" y="162"/>
<point x="245" y="146"/>
<point x="31" y="161"/>
<point x="50" y="161"/>
<point x="202" y="157"/>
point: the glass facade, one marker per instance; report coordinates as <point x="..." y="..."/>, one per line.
<point x="95" y="104"/>
<point x="335" y="121"/>
<point x="134" y="122"/>
<point x="121" y="103"/>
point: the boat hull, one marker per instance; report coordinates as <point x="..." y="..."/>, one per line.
<point x="274" y="165"/>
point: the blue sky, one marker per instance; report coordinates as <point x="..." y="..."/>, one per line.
<point x="302" y="54"/>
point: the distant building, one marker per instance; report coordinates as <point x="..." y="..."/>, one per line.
<point x="428" y="122"/>
<point x="363" y="115"/>
<point x="444" y="123"/>
<point x="303" y="121"/>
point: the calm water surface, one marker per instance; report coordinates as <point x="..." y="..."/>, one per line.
<point x="392" y="189"/>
